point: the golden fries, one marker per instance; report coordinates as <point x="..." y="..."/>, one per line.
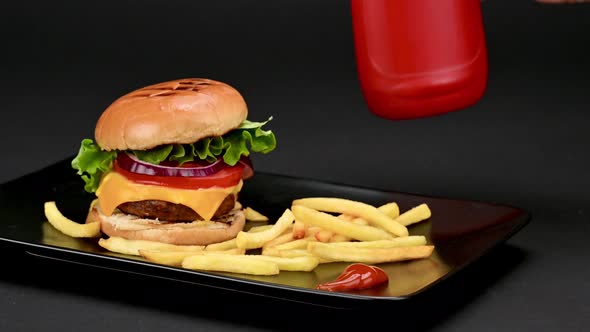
<point x="406" y="241"/>
<point x="257" y="229"/>
<point x="414" y="215"/>
<point x="231" y="263"/>
<point x="67" y="226"/>
<point x="390" y="209"/>
<point x="132" y="247"/>
<point x="253" y="215"/>
<point x="358" y="209"/>
<point x="346" y="217"/>
<point x="333" y="252"/>
<point x="296" y="244"/>
<point x="225" y="245"/>
<point x="339" y="238"/>
<point x="339" y="226"/>
<point x="246" y="240"/>
<point x="301" y="263"/>
<point x="175" y="258"/>
<point x="284" y="238"/>
<point x="299" y="229"/>
<point x="311" y="231"/>
<point x="232" y="243"/>
<point x="291" y="253"/>
<point x="324" y="235"/>
<point x="359" y="221"/>
<point x="286" y="253"/>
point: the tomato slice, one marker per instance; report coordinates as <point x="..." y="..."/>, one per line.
<point x="227" y="177"/>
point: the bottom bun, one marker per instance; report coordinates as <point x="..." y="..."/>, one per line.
<point x="195" y="233"/>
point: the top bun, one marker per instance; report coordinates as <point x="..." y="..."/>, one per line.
<point x="181" y="111"/>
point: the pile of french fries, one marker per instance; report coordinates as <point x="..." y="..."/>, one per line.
<point x="313" y="231"/>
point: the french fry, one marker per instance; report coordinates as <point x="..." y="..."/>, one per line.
<point x="311" y="231"/>
<point x="331" y="252"/>
<point x="284" y="238"/>
<point x="261" y="228"/>
<point x="390" y="209"/>
<point x="221" y="246"/>
<point x="246" y="240"/>
<point x="346" y="217"/>
<point x="301" y="263"/>
<point x="291" y="253"/>
<point x="289" y="230"/>
<point x="333" y="224"/>
<point x="271" y="251"/>
<point x="414" y="215"/>
<point x="296" y="244"/>
<point x="295" y="253"/>
<point x="299" y="229"/>
<point x="253" y="215"/>
<point x="358" y="209"/>
<point x="234" y="251"/>
<point x="324" y="235"/>
<point x="339" y="238"/>
<point x="132" y="247"/>
<point x="231" y="243"/>
<point x="54" y="237"/>
<point x="231" y="263"/>
<point x="175" y="258"/>
<point x="359" y="221"/>
<point x="257" y="229"/>
<point x="406" y="241"/>
<point x="67" y="226"/>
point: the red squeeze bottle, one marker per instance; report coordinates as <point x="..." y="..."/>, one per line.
<point x="419" y="58"/>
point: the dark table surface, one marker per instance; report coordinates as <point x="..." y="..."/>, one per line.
<point x="525" y="144"/>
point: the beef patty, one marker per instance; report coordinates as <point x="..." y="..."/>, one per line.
<point x="170" y="212"/>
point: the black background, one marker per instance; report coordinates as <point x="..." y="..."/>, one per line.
<point x="524" y="143"/>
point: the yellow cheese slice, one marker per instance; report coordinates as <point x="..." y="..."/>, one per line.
<point x="115" y="189"/>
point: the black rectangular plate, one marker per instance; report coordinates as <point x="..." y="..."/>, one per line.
<point x="462" y="231"/>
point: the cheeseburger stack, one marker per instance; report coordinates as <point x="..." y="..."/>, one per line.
<point x="169" y="160"/>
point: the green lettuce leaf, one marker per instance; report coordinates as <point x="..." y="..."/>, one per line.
<point x="237" y="141"/>
<point x="182" y="154"/>
<point x="253" y="125"/>
<point x="154" y="156"/>
<point x="92" y="162"/>
<point x="231" y="146"/>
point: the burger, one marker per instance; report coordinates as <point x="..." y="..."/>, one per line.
<point x="168" y="163"/>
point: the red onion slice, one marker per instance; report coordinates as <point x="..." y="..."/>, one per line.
<point x="248" y="168"/>
<point x="131" y="163"/>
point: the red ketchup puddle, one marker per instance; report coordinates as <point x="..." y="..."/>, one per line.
<point x="356" y="277"/>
